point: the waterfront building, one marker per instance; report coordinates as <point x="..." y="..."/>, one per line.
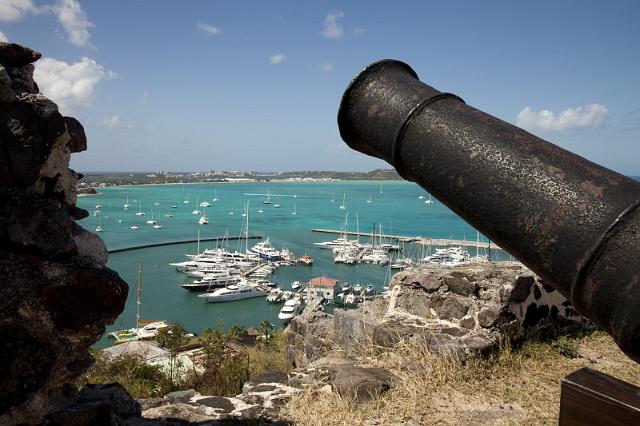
<point x="322" y="287"/>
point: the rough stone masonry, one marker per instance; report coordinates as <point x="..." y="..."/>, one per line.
<point x="57" y="295"/>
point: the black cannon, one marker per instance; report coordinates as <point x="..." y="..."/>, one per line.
<point x="575" y="223"/>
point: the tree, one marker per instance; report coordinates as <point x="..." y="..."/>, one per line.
<point x="265" y="328"/>
<point x="172" y="338"/>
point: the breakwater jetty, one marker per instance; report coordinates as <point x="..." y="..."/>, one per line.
<point x="415" y="239"/>
<point x="171" y="243"/>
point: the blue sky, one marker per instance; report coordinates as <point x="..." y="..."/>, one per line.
<point x="198" y="85"/>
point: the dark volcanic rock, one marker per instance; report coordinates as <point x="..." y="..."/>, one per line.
<point x="57" y="294"/>
<point x="78" y="142"/>
<point x="460" y="284"/>
<point x="272" y="377"/>
<point x="15" y="55"/>
<point x="218" y="402"/>
<point x="451" y="307"/>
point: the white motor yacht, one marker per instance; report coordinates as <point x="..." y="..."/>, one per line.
<point x="290" y="309"/>
<point x="234" y="292"/>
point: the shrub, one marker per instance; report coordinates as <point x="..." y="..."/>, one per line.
<point x="138" y="378"/>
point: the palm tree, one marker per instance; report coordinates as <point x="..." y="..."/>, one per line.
<point x="265" y="327"/>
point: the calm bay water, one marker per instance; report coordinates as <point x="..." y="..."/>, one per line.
<point x="394" y="204"/>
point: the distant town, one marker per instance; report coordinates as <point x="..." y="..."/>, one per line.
<point x="93" y="180"/>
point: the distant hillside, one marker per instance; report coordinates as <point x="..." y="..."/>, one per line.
<point x="377" y="174"/>
<point x="92" y="179"/>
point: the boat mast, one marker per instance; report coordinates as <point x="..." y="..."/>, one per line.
<point x="246" y="233"/>
<point x="138" y="296"/>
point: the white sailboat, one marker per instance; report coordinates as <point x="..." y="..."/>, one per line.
<point x="295" y="211"/>
<point x="140" y="212"/>
<point x="268" y="199"/>
<point x="99" y="227"/>
<point x="203" y="219"/>
<point x="186" y="200"/>
<point x="215" y="196"/>
<point x="333" y="198"/>
<point x="152" y="221"/>
<point x="429" y="200"/>
<point x="144" y="330"/>
<point x="126" y="205"/>
<point x="343" y="206"/>
<point x="369" y="200"/>
<point x="196" y="211"/>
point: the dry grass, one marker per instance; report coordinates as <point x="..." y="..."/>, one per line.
<point x="515" y="386"/>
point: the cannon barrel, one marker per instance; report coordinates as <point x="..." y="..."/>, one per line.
<point x="573" y="222"/>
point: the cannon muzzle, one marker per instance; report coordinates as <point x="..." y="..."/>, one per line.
<point x="573" y="222"/>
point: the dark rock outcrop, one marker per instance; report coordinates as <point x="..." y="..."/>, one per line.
<point x="57" y="295"/>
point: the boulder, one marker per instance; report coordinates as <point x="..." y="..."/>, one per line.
<point x="360" y="383"/>
<point x="218" y="402"/>
<point x="16" y="55"/>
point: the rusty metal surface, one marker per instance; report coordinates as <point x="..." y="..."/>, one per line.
<point x="573" y="222"/>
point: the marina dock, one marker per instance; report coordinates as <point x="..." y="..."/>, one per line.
<point x="253" y="269"/>
<point x="416" y="239"/>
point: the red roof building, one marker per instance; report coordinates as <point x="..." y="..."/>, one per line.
<point x="322" y="282"/>
<point x="322" y="287"/>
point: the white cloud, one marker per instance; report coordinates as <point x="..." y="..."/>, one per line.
<point x="277" y="59"/>
<point x="68" y="12"/>
<point x="209" y="29"/>
<point x="326" y="66"/>
<point x="74" y="21"/>
<point x="111" y="122"/>
<point x="70" y="85"/>
<point x="359" y="31"/>
<point x="15" y="10"/>
<point x="3" y="37"/>
<point x="581" y="117"/>
<point x="332" y="29"/>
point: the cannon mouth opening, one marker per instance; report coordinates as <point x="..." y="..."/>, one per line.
<point x="344" y="124"/>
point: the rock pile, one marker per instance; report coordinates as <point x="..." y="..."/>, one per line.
<point x="259" y="401"/>
<point x="465" y="311"/>
<point x="56" y="295"/>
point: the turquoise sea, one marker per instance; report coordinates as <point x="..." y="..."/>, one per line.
<point x="394" y="204"/>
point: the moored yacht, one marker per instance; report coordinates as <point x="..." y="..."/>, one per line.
<point x="265" y="250"/>
<point x="290" y="309"/>
<point x="212" y="284"/>
<point x="234" y="292"/>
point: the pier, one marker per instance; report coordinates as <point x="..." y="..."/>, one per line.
<point x="416" y="239"/>
<point x="171" y="243"/>
<point x="253" y="269"/>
